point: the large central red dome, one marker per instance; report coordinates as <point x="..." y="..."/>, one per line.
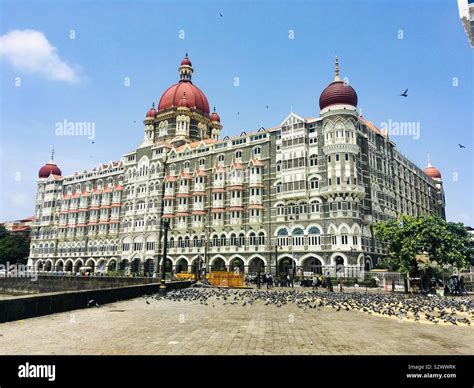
<point x="184" y="89"/>
<point x="194" y="96"/>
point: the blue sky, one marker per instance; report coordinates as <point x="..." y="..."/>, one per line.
<point x="141" y="41"/>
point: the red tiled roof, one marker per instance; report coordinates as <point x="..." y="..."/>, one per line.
<point x="236" y="209"/>
<point x="238" y="166"/>
<point x="256" y="162"/>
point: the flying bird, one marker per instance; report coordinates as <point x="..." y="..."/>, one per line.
<point x="405" y="93"/>
<point x="461" y="146"/>
<point x="221" y="15"/>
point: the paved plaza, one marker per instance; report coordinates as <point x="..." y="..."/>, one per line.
<point x="187" y="327"/>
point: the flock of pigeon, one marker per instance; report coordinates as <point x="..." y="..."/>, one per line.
<point x="418" y="308"/>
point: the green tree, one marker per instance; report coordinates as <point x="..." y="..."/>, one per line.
<point x="446" y="243"/>
<point x="14" y="248"/>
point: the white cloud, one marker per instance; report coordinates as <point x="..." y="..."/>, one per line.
<point x="29" y="51"/>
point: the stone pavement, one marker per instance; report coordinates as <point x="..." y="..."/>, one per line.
<point x="185" y="328"/>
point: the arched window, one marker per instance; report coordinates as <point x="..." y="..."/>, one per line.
<point x="257" y="151"/>
<point x="278" y="187"/>
<point x="261" y="239"/>
<point x="344" y="236"/>
<point x="298" y="237"/>
<point x="303" y="207"/>
<point x="314" y="183"/>
<point x="252" y="238"/>
<point x="241" y="239"/>
<point x="238" y="155"/>
<point x="315" y="207"/>
<point x="314" y="236"/>
<point x="223" y="240"/>
<point x="280" y="209"/>
<point x="313" y="160"/>
<point x="282" y="237"/>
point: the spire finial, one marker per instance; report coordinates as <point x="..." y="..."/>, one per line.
<point x="153" y="104"/>
<point x="429" y="159"/>
<point x="52" y="154"/>
<point x="336" y="71"/>
<point x="186" y="54"/>
<point x="214" y="108"/>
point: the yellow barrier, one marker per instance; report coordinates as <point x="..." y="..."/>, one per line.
<point x="226" y="279"/>
<point x="185" y="276"/>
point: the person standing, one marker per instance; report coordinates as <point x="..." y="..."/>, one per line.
<point x="315" y="282"/>
<point x="329" y="283"/>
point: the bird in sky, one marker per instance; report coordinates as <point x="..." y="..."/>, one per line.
<point x="461" y="146"/>
<point x="221" y="15"/>
<point x="405" y="93"/>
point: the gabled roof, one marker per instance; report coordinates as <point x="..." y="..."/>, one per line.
<point x="294" y="115"/>
<point x="256" y="162"/>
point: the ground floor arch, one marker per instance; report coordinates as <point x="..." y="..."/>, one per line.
<point x="197" y="264"/>
<point x="237" y="263"/>
<point x="285" y="264"/>
<point x="256" y="264"/>
<point x="59" y="266"/>
<point x="68" y="267"/>
<point x="218" y="264"/>
<point x="124" y="265"/>
<point x="182" y="265"/>
<point x="149" y="267"/>
<point x="102" y="266"/>
<point x="48" y="266"/>
<point x="112" y="265"/>
<point x="313" y="264"/>
<point x="135" y="266"/>
<point x="78" y="264"/>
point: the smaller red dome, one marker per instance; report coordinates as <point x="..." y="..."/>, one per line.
<point x="432" y="172"/>
<point x="215" y="116"/>
<point x="151" y="112"/>
<point x="186" y="61"/>
<point x="48" y="169"/>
